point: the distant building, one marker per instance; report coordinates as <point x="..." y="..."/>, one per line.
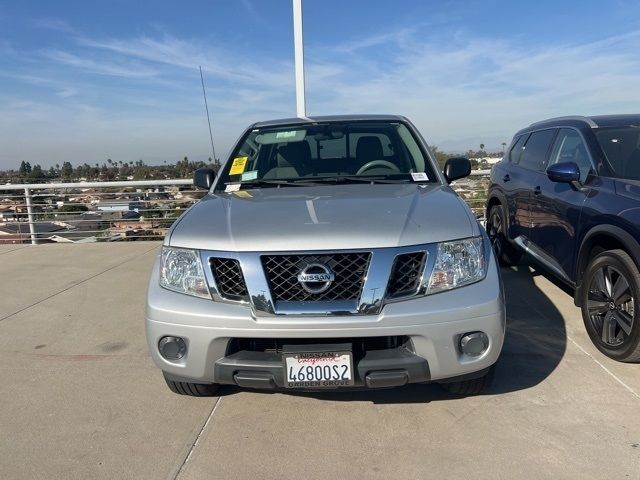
<point x="7" y="214"/>
<point x="19" y="232"/>
<point x="489" y="160"/>
<point x="122" y="205"/>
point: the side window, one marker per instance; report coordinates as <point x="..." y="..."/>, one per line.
<point x="516" y="150"/>
<point x="569" y="147"/>
<point x="535" y="151"/>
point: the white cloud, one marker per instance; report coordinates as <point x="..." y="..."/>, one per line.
<point x="460" y="91"/>
<point x="67" y="92"/>
<point x="183" y="54"/>
<point x="55" y="24"/>
<point x="101" y="67"/>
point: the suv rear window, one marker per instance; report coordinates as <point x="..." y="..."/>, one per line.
<point x="621" y="146"/>
<point x="535" y="151"/>
<point x="516" y="150"/>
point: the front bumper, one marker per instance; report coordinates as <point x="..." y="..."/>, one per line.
<point x="433" y="323"/>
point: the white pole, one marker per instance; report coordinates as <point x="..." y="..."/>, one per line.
<point x="32" y="224"/>
<point x="301" y="110"/>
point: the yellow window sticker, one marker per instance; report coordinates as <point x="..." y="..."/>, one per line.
<point x="242" y="194"/>
<point x="238" y="165"/>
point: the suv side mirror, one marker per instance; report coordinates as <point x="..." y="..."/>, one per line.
<point x="203" y="178"/>
<point x="564" y="172"/>
<point x="457" y="167"/>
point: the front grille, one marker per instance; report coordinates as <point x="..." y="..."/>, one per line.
<point x="229" y="278"/>
<point x="349" y="269"/>
<point x="360" y="345"/>
<point x="406" y="274"/>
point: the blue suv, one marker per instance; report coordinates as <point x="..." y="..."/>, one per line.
<point x="567" y="194"/>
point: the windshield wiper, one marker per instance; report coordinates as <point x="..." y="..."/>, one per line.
<point x="349" y="179"/>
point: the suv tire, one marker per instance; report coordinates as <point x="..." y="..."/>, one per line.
<point x="192" y="389"/>
<point x="506" y="253"/>
<point x="610" y="310"/>
<point x="470" y="387"/>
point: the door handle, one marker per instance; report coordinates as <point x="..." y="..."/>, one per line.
<point x="506" y="178"/>
<point x="537" y="190"/>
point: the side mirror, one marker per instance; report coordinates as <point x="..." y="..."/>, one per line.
<point x="203" y="178"/>
<point x="564" y="172"/>
<point x="457" y="167"/>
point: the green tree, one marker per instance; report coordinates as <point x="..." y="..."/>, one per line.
<point x="441" y="157"/>
<point x="70" y="207"/>
<point x="25" y="168"/>
<point x="36" y="172"/>
<point x="67" y="170"/>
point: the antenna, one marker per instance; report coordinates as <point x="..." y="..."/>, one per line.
<point x="204" y="94"/>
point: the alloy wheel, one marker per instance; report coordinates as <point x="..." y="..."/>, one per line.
<point x="494" y="232"/>
<point x="611" y="305"/>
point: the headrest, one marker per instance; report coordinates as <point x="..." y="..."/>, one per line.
<point x="294" y="154"/>
<point x="369" y="148"/>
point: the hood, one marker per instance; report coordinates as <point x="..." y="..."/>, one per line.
<point x="326" y="217"/>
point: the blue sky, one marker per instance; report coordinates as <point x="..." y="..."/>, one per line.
<point x="86" y="80"/>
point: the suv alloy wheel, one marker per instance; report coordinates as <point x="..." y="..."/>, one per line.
<point x="609" y="305"/>
<point x="497" y="233"/>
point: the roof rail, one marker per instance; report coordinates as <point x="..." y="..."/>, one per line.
<point x="578" y="118"/>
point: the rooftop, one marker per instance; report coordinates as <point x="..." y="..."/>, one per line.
<point x="83" y="400"/>
<point x="597" y="121"/>
<point x="328" y="118"/>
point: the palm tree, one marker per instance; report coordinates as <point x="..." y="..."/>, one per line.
<point x="504" y="145"/>
<point x="482" y="146"/>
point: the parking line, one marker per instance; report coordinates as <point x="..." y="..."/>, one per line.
<point x="604" y="368"/>
<point x="195" y="443"/>
<point x="615" y="377"/>
<point x="128" y="259"/>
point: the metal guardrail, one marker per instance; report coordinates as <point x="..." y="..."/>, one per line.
<point x="92" y="211"/>
<point x="125" y="210"/>
<point x="473" y="190"/>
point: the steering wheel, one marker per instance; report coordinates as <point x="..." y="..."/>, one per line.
<point x="377" y="163"/>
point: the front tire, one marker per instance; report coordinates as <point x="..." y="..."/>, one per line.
<point x="506" y="253"/>
<point x="191" y="389"/>
<point x="474" y="386"/>
<point x="610" y="295"/>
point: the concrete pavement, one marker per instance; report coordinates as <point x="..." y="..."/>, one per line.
<point x="81" y="399"/>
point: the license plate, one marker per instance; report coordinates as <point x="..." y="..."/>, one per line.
<point x="318" y="369"/>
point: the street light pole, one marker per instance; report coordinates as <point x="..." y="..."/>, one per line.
<point x="301" y="110"/>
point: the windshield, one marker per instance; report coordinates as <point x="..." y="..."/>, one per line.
<point x="621" y="146"/>
<point x="330" y="152"/>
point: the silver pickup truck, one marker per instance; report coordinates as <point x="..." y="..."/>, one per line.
<point x="329" y="253"/>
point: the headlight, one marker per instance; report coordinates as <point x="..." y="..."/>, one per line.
<point x="181" y="271"/>
<point x="457" y="264"/>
